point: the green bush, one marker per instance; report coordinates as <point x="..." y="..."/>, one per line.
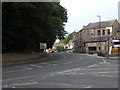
<point x="60" y="48"/>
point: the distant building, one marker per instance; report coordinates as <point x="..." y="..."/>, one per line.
<point x="76" y="41"/>
<point x="57" y="45"/>
<point x="97" y="37"/>
<point x="68" y="46"/>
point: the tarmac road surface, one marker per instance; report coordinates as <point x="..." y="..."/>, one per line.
<point x="63" y="70"/>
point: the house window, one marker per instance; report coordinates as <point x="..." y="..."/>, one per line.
<point x="87" y="32"/>
<point x="84" y="45"/>
<point x="108" y="31"/>
<point x="91" y="33"/>
<point x="99" y="48"/>
<point x="118" y="30"/>
<point x="98" y="32"/>
<point x="103" y="32"/>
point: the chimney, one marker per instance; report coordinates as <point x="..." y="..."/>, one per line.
<point x="84" y="26"/>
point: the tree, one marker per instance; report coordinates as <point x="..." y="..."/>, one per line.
<point x="60" y="48"/>
<point x="27" y="24"/>
<point x="67" y="39"/>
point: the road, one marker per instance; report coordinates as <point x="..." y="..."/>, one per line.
<point x="63" y="70"/>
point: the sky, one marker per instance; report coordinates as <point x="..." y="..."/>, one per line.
<point x="83" y="12"/>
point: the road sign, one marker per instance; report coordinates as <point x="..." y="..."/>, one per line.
<point x="43" y="45"/>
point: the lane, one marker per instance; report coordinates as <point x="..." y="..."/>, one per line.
<point x="61" y="61"/>
<point x="64" y="70"/>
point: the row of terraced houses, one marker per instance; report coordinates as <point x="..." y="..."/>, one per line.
<point x="96" y="37"/>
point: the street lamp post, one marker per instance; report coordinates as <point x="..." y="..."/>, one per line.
<point x="100" y="31"/>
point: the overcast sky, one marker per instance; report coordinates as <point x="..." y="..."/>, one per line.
<point x="83" y="12"/>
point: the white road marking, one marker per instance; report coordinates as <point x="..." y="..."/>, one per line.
<point x="68" y="63"/>
<point x="105" y="75"/>
<point x="104" y="62"/>
<point x="23" y="69"/>
<point x="55" y="64"/>
<point x="5" y="86"/>
<point x="65" y="56"/>
<point x="103" y="72"/>
<point x="17" y="78"/>
<point x="35" y="65"/>
<point x="81" y="58"/>
<point x="95" y="65"/>
<point x="81" y="73"/>
<point x="76" y="70"/>
<point x="71" y="71"/>
<point x="66" y="84"/>
<point x="87" y="86"/>
<point x="46" y="63"/>
<point x="100" y="57"/>
<point x="22" y="84"/>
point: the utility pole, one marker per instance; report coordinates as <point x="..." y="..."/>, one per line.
<point x="100" y="31"/>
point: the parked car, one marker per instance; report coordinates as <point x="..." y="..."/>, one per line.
<point x="53" y="51"/>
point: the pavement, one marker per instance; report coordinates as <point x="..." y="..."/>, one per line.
<point x="114" y="58"/>
<point x="16" y="59"/>
<point x="63" y="70"/>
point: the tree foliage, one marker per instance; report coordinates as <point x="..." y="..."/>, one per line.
<point x="26" y="24"/>
<point x="60" y="48"/>
<point x="67" y="39"/>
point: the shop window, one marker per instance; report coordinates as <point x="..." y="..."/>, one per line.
<point x="92" y="48"/>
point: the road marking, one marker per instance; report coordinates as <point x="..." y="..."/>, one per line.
<point x="71" y="71"/>
<point x="66" y="85"/>
<point x="105" y="75"/>
<point x="104" y="62"/>
<point x="103" y="72"/>
<point x="17" y="78"/>
<point x="22" y="84"/>
<point x="100" y="57"/>
<point x="55" y="64"/>
<point x="65" y="56"/>
<point x="68" y="63"/>
<point x="95" y="65"/>
<point x="81" y="73"/>
<point x="81" y="58"/>
<point x="23" y="69"/>
<point x="46" y="63"/>
<point x="35" y="65"/>
<point x="5" y="86"/>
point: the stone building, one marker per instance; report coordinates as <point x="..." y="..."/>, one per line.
<point x="97" y="37"/>
<point x="76" y="41"/>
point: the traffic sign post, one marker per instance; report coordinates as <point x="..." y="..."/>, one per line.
<point x="43" y="46"/>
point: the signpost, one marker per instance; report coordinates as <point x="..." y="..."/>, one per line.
<point x="43" y="45"/>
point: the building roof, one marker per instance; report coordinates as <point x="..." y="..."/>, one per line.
<point x="98" y="39"/>
<point x="96" y="25"/>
